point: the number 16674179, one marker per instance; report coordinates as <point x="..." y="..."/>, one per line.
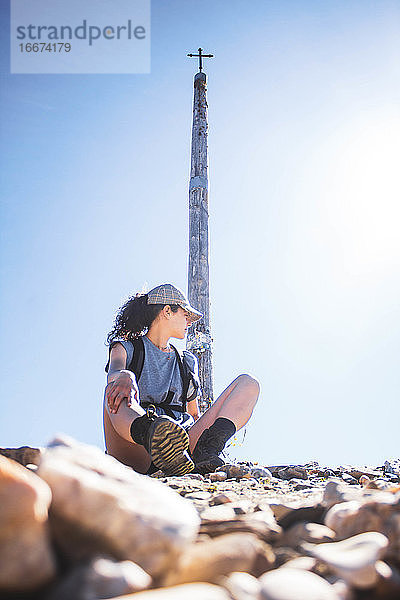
<point x="45" y="47"/>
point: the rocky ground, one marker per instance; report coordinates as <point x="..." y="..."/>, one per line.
<point x="77" y="524"/>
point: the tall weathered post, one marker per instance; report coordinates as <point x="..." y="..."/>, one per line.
<point x="199" y="339"/>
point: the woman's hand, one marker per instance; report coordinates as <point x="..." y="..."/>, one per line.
<point x="123" y="387"/>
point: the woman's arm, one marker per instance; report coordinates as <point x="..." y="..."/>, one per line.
<point x="121" y="394"/>
<point x="121" y="383"/>
<point x="192" y="408"/>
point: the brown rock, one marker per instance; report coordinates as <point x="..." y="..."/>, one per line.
<point x="307" y="532"/>
<point x="211" y="560"/>
<point x="218" y="476"/>
<point x="313" y="513"/>
<point x="220" y="499"/>
<point x="293" y="473"/>
<point x="280" y="509"/>
<point x="27" y="561"/>
<point x="358" y="473"/>
<point x="235" y="471"/>
<point x="23" y="455"/>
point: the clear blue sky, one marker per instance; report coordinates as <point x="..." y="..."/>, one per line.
<point x="304" y="141"/>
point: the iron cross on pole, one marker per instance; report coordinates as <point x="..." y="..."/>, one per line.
<point x="200" y="55"/>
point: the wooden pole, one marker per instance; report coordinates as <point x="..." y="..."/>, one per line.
<point x="199" y="338"/>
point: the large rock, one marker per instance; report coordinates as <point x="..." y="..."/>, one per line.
<point x="293" y="472"/>
<point x="379" y="513"/>
<point x="102" y="506"/>
<point x="26" y="558"/>
<point x="210" y="560"/>
<point x="353" y="559"/>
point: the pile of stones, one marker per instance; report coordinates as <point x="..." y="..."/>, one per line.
<point x="77" y="524"/>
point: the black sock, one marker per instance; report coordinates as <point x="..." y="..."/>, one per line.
<point x="225" y="428"/>
<point x="139" y="428"/>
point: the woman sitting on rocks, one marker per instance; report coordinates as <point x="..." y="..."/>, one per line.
<point x="151" y="419"/>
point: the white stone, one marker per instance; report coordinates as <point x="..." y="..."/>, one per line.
<point x="294" y="584"/>
<point x="353" y="559"/>
<point x="242" y="586"/>
<point x="260" y="472"/>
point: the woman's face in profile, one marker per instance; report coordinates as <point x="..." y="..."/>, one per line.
<point x="179" y="323"/>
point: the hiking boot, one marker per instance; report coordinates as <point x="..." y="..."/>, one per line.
<point x="210" y="444"/>
<point x="205" y="454"/>
<point x="165" y="440"/>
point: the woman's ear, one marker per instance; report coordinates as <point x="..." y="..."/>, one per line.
<point x="166" y="311"/>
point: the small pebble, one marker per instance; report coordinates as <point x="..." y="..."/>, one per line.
<point x="220" y="499"/>
<point x="218" y="476"/>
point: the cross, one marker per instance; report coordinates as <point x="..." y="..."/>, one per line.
<point x="200" y="55"/>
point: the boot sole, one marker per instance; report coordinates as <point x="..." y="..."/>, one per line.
<point x="208" y="466"/>
<point x="184" y="466"/>
<point x="169" y="442"/>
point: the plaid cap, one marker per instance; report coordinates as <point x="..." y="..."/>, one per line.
<point x="169" y="294"/>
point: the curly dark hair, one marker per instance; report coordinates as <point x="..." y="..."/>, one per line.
<point x="135" y="317"/>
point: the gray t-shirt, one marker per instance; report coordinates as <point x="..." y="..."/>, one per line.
<point x="161" y="380"/>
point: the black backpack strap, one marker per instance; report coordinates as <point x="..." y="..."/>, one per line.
<point x="137" y="362"/>
<point x="185" y="376"/>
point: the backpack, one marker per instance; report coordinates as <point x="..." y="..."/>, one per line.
<point x="187" y="375"/>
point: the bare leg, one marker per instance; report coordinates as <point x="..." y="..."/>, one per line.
<point x="168" y="441"/>
<point x="236" y="403"/>
<point x="118" y="440"/>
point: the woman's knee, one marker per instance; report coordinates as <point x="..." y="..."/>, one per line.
<point x="250" y="383"/>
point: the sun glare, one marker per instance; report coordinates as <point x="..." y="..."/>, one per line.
<point x="363" y="198"/>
